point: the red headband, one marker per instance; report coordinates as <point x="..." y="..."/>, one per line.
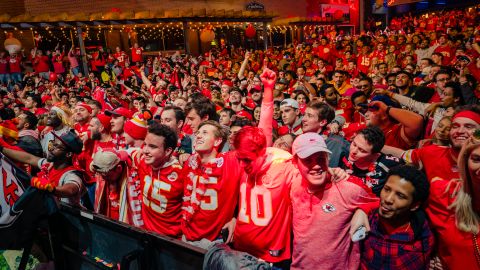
<point x="468" y="114"/>
<point x="86" y="106"/>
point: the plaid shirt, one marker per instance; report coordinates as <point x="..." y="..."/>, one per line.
<point x="397" y="251"/>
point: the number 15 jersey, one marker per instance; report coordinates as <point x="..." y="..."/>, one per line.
<point x="162" y="193"/>
<point x="210" y="195"/>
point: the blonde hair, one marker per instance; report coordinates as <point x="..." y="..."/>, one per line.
<point x="466" y="219"/>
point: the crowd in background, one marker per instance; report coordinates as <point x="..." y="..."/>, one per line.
<point x="282" y="153"/>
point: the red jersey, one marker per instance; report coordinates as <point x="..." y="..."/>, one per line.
<point x="211" y="194"/>
<point x="455" y="247"/>
<point x="127" y="73"/>
<point x="380" y="55"/>
<point x="162" y="193"/>
<point x="437" y="161"/>
<point x="447" y="53"/>
<point x="310" y="71"/>
<point x="121" y="57"/>
<point x="350" y="129"/>
<point x="57" y="61"/>
<point x="395" y="136"/>
<point x="363" y="63"/>
<point x="324" y="52"/>
<point x="133" y="212"/>
<point x="41" y="64"/>
<point x="137" y="54"/>
<point x="119" y="141"/>
<point x="264" y="224"/>
<point x="14" y="64"/>
<point x="345" y="109"/>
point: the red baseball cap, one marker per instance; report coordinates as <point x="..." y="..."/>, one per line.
<point x="228" y="83"/>
<point x="245" y="114"/>
<point x="120" y="111"/>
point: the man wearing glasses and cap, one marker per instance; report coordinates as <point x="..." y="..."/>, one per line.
<point x="62" y="179"/>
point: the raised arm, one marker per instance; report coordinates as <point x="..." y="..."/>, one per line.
<point x="19" y="156"/>
<point x="412" y="122"/>
<point x="244" y="66"/>
<point x="268" y="78"/>
<point x="145" y="80"/>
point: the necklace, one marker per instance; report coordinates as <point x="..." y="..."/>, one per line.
<point x="476" y="249"/>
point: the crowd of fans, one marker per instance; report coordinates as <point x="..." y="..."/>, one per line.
<point x="282" y="153"/>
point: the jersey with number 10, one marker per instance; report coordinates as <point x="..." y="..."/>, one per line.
<point x="210" y="195"/>
<point x="264" y="223"/>
<point x="162" y="193"/>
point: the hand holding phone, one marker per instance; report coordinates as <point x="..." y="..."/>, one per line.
<point x="359" y="234"/>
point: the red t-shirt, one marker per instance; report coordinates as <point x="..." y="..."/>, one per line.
<point x="162" y="193"/>
<point x="437" y="161"/>
<point x="137" y="54"/>
<point x="345" y="109"/>
<point x="350" y="129"/>
<point x="14" y="64"/>
<point x="324" y="52"/>
<point x="211" y="195"/>
<point x="57" y="61"/>
<point x="394" y="137"/>
<point x="114" y="204"/>
<point x="41" y="64"/>
<point x="127" y="73"/>
<point x="455" y="248"/>
<point x="447" y="53"/>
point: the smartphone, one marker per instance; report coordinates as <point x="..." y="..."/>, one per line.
<point x="359" y="234"/>
<point x="224" y="232"/>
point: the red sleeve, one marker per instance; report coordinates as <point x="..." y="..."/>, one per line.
<point x="472" y="67"/>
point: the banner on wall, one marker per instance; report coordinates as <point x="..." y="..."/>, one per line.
<point x="334" y="10"/>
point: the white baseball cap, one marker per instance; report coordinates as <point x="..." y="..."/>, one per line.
<point x="289" y="102"/>
<point x="308" y="144"/>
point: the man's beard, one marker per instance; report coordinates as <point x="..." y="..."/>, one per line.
<point x="53" y="158"/>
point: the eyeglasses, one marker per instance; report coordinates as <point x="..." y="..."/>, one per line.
<point x="52" y="145"/>
<point x="363" y="86"/>
<point x="443" y="80"/>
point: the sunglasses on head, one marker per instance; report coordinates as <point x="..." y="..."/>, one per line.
<point x="372" y="108"/>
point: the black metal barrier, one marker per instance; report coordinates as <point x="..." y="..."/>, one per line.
<point x="84" y="240"/>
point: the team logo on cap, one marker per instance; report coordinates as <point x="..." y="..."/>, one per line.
<point x="172" y="177"/>
<point x="328" y="208"/>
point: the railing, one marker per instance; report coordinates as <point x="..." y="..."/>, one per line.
<point x="85" y="240"/>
